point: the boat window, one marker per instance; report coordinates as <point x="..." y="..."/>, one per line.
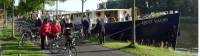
<point x="112" y="16"/>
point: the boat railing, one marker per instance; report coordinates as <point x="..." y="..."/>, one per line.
<point x="155" y="15"/>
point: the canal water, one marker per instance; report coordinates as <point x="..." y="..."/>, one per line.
<point x="188" y="39"/>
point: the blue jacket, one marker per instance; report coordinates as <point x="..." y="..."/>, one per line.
<point x="86" y="24"/>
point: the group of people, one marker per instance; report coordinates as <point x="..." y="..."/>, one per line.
<point x="52" y="29"/>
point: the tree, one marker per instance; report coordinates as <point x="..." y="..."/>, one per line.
<point x="6" y="4"/>
<point x="27" y="6"/>
<point x="13" y="17"/>
<point x="9" y="10"/>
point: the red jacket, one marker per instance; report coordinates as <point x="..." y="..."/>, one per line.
<point x="55" y="27"/>
<point x="45" y="29"/>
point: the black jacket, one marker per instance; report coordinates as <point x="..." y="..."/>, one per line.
<point x="38" y="23"/>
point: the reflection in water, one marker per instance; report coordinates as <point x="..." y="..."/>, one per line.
<point x="188" y="39"/>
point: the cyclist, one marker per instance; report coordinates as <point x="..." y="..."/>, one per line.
<point x="67" y="31"/>
<point x="44" y="31"/>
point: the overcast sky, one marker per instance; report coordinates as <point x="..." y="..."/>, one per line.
<point x="74" y="5"/>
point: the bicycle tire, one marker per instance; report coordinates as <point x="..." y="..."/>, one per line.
<point x="54" y="47"/>
<point x="36" y="39"/>
<point x="71" y="51"/>
<point x="23" y="39"/>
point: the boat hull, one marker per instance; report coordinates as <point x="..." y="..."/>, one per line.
<point x="160" y="29"/>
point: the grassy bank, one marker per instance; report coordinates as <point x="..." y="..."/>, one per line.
<point x="140" y="50"/>
<point x="10" y="45"/>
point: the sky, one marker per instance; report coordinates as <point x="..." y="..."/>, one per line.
<point x="74" y="5"/>
<point x="16" y="2"/>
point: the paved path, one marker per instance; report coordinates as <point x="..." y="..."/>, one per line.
<point x="89" y="49"/>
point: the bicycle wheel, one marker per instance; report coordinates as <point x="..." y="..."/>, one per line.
<point x="36" y="39"/>
<point x="71" y="51"/>
<point x="23" y="39"/>
<point x="54" y="47"/>
<point x="79" y="36"/>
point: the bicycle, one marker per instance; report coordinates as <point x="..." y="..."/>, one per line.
<point x="62" y="45"/>
<point x="25" y="35"/>
<point x="70" y="49"/>
<point x="55" y="45"/>
<point x="35" y="37"/>
<point x="77" y="34"/>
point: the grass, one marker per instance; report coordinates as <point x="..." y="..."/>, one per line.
<point x="140" y="50"/>
<point x="10" y="45"/>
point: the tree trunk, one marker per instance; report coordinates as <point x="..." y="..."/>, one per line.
<point x="4" y="13"/>
<point x="13" y="33"/>
<point x="6" y="20"/>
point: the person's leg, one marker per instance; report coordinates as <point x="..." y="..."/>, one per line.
<point x="103" y="37"/>
<point x="100" y="38"/>
<point x="61" y="30"/>
<point x="42" y="42"/>
<point x="66" y="39"/>
<point x="84" y="33"/>
<point x="88" y="34"/>
<point x="72" y="40"/>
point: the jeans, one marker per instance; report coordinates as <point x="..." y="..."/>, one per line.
<point x="101" y="37"/>
<point x="43" y="42"/>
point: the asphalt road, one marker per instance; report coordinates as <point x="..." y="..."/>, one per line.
<point x="89" y="49"/>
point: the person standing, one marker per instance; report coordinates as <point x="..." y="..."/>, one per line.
<point x="44" y="31"/>
<point x="38" y="22"/>
<point x="77" y="23"/>
<point x="51" y="17"/>
<point x="63" y="24"/>
<point x="55" y="29"/>
<point x="86" y="25"/>
<point x="100" y="28"/>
